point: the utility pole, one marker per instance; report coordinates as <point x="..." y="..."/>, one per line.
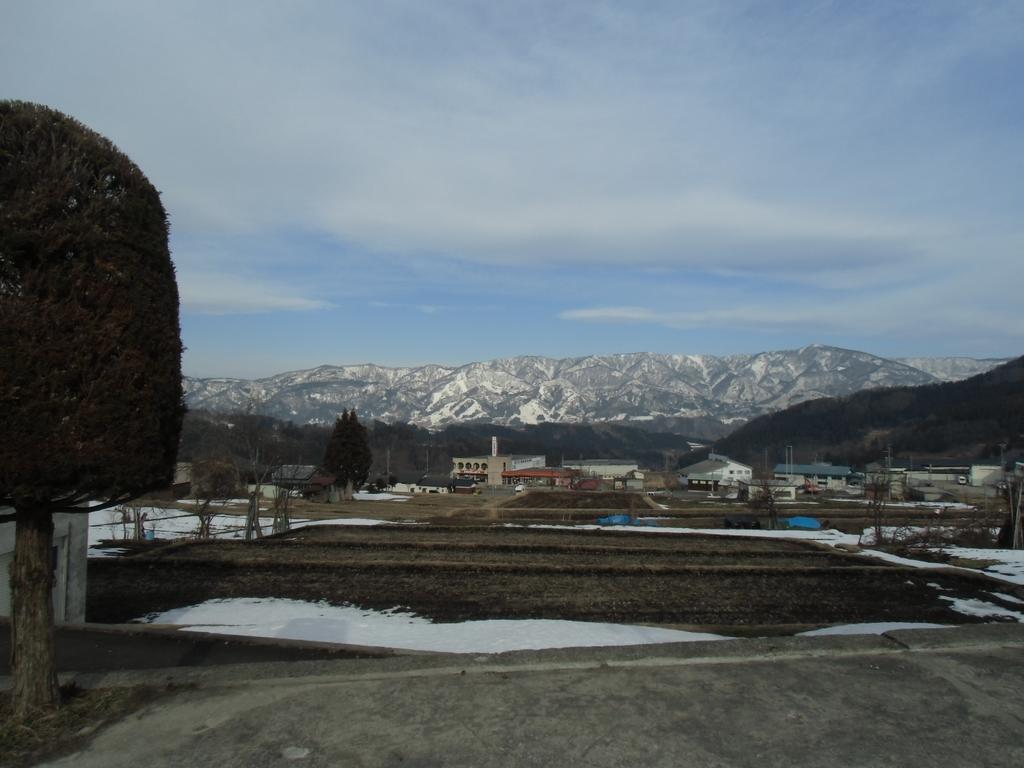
<point x="1016" y="529"/>
<point x="888" y="470"/>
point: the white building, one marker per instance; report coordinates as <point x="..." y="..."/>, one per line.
<point x="986" y="474"/>
<point x="832" y="477"/>
<point x="486" y="470"/>
<point x="606" y="469"/>
<point x="714" y="472"/>
<point x="70" y="542"/>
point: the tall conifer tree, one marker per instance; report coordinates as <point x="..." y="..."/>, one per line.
<point x="348" y="455"/>
<point x="90" y="353"/>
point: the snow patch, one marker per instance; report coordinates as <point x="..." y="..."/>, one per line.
<point x="321" y="622"/>
<point x="871" y="628"/>
<point x="982" y="608"/>
<point x="364" y="496"/>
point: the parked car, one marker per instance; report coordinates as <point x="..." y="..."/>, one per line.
<point x="962" y="480"/>
<point x="746" y="522"/>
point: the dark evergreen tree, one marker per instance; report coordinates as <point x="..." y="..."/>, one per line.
<point x="348" y="455"/>
<point x="90" y="352"/>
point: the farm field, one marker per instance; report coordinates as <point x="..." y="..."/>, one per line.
<point x="456" y="568"/>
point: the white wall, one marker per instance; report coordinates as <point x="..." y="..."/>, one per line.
<point x="70" y="539"/>
<point x="735" y="472"/>
<point x="528" y="462"/>
<point x="986" y="474"/>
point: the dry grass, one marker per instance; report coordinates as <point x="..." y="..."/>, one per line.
<point x="83" y="713"/>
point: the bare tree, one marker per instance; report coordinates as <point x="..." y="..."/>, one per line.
<point x="1013" y="537"/>
<point x="877" y="489"/>
<point x="131" y="514"/>
<point x="257" y="437"/>
<point x="282" y="521"/>
<point x="119" y="515"/>
<point x="213" y="480"/>
<point x="762" y="499"/>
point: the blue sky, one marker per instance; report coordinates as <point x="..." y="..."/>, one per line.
<point x="406" y="182"/>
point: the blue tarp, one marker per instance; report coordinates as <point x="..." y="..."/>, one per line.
<point x="805" y="523"/>
<point x="625" y="520"/>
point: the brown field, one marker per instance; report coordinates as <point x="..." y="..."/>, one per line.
<point x="466" y="564"/>
<point x="606" y="501"/>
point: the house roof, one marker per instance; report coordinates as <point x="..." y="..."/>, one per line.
<point x="823" y="470"/>
<point x="489" y="457"/>
<point x="599" y="462"/>
<point x="293" y="473"/>
<point x="924" y="464"/>
<point x="704" y="467"/>
<point x="435" y="481"/>
<point x="722" y="457"/>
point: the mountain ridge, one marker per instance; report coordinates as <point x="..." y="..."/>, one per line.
<point x="627" y="387"/>
<point x="980" y="416"/>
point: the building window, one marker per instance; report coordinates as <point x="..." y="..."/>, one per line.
<point x="483" y="467"/>
<point x="460" y="465"/>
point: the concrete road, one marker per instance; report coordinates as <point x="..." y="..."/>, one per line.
<point x="913" y="698"/>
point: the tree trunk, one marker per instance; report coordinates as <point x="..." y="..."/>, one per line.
<point x="33" y="650"/>
<point x="204" y="520"/>
<point x="252" y="517"/>
<point x="281" y="521"/>
<point x="349" y="489"/>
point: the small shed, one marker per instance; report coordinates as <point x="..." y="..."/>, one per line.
<point x="782" y="490"/>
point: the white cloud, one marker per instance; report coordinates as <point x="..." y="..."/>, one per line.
<point x="966" y="303"/>
<point x="210" y="293"/>
<point x="574" y="135"/>
<point x="850" y="157"/>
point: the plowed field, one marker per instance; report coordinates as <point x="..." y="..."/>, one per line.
<point x="456" y="573"/>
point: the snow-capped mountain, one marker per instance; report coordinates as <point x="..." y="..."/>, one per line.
<point x="527" y="390"/>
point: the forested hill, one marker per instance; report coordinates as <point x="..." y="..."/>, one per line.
<point x="968" y="418"/>
<point x="408" y="449"/>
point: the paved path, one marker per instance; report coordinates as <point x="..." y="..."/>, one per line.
<point x="935" y="698"/>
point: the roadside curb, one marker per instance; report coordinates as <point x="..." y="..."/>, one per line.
<point x="395" y="663"/>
